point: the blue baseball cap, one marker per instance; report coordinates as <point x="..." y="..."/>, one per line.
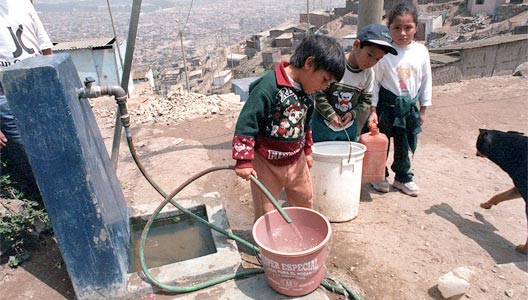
<point x="377" y="34"/>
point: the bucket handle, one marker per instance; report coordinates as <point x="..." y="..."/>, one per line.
<point x="348" y="162"/>
<point x="349" y="147"/>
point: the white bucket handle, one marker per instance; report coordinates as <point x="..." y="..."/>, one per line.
<point x="349" y="161"/>
<point x="349" y="147"/>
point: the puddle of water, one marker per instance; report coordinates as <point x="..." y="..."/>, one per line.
<point x="170" y="240"/>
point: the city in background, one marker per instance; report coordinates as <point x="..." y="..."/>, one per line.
<point x="226" y="40"/>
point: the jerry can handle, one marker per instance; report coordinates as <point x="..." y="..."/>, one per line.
<point x="373" y="128"/>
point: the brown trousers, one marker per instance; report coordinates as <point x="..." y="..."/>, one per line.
<point x="294" y="178"/>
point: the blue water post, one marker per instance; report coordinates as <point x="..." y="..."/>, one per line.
<point x="73" y="170"/>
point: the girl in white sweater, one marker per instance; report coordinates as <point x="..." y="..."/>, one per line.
<point x="401" y="81"/>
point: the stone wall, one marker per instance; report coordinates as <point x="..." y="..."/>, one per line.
<point x="484" y="61"/>
<point x="447" y="73"/>
<point x="500" y="59"/>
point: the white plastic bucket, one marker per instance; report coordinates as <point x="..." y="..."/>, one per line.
<point x="336" y="179"/>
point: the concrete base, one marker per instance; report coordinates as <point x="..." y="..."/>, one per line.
<point x="186" y="273"/>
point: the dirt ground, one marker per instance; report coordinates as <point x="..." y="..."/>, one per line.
<point x="397" y="247"/>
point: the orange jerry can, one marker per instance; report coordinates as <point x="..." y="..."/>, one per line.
<point x="375" y="157"/>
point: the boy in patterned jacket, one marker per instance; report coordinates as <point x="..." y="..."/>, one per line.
<point x="273" y="139"/>
<point x="338" y="108"/>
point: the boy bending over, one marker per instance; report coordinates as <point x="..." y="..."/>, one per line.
<point x="272" y="137"/>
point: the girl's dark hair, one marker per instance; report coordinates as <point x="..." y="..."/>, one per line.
<point x="403" y="8"/>
<point x="325" y="50"/>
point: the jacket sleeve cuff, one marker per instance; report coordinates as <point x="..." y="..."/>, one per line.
<point x="243" y="164"/>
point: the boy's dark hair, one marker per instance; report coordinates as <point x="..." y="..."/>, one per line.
<point x="327" y="54"/>
<point x="367" y="43"/>
<point x="401" y="9"/>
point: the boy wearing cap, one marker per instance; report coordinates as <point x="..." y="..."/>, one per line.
<point x="336" y="108"/>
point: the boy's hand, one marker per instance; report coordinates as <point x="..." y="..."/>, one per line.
<point x="336" y="121"/>
<point x="245" y="173"/>
<point x="3" y="140"/>
<point x="309" y="160"/>
<point x="347" y="118"/>
<point x="373" y="119"/>
<point x="422" y="114"/>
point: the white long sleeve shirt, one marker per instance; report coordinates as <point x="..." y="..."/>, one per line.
<point x="22" y="34"/>
<point x="405" y="74"/>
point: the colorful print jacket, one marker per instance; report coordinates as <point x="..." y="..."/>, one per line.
<point x="274" y="121"/>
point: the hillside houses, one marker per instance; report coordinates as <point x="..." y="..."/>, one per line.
<point x="261" y="51"/>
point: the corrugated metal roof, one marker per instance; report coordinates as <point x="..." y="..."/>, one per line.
<point x="284" y="26"/>
<point x="100" y="43"/>
<point x="235" y="56"/>
<point x="500" y="39"/>
<point x="195" y="72"/>
<point x="285" y="36"/>
<point x="224" y="73"/>
<point x="442" y="58"/>
<point x="320" y="12"/>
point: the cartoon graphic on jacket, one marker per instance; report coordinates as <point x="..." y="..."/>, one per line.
<point x="344" y="100"/>
<point x="274" y="121"/>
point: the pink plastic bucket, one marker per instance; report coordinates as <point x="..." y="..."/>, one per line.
<point x="293" y="255"/>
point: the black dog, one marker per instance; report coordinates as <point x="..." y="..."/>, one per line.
<point x="509" y="150"/>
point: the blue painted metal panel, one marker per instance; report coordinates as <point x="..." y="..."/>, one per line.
<point x="80" y="189"/>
